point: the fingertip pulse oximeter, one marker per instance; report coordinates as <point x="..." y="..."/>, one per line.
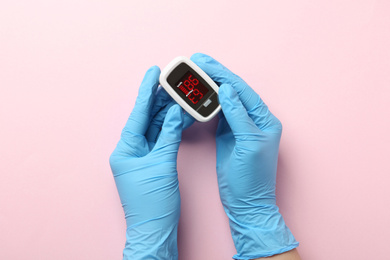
<point x="191" y="88"/>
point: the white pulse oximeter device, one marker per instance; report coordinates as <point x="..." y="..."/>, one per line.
<point x="191" y="88"/>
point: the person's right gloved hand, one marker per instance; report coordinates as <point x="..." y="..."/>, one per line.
<point x="248" y="138"/>
<point x="144" y="168"/>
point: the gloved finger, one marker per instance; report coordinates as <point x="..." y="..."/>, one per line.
<point x="255" y="106"/>
<point x="188" y="120"/>
<point x="166" y="99"/>
<point x="235" y="113"/>
<point x="172" y="128"/>
<point x="223" y="126"/>
<point x="140" y="117"/>
<point x="162" y="103"/>
<point x="157" y="122"/>
<point x="161" y="100"/>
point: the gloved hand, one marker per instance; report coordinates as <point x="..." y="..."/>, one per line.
<point x="247" y="139"/>
<point x="144" y="168"/>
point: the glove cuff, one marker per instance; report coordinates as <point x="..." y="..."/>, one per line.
<point x="151" y="244"/>
<point x="268" y="236"/>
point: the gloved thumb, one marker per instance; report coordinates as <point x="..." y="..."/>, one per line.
<point x="172" y="128"/>
<point x="234" y="111"/>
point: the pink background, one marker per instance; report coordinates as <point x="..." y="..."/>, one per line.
<point x="69" y="74"/>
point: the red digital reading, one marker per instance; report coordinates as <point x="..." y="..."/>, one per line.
<point x="192" y="88"/>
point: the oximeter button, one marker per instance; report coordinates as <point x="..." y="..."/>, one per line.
<point x="207" y="102"/>
<point x="206" y="109"/>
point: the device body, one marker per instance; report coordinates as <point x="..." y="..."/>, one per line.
<point x="191" y="88"/>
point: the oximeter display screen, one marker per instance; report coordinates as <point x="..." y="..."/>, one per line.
<point x="191" y="87"/>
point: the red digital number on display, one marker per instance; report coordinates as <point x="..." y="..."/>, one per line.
<point x="188" y="87"/>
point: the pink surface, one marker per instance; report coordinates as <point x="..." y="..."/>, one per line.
<point x="69" y="74"/>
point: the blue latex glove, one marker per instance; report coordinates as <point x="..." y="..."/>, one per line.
<point x="247" y="139"/>
<point x="144" y="168"/>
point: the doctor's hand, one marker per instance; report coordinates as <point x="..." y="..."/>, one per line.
<point x="247" y="140"/>
<point x="144" y="168"/>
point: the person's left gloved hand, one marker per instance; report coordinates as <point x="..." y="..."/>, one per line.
<point x="247" y="141"/>
<point x="144" y="168"/>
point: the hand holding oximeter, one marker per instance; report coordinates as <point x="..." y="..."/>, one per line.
<point x="144" y="162"/>
<point x="191" y="88"/>
<point x="247" y="142"/>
